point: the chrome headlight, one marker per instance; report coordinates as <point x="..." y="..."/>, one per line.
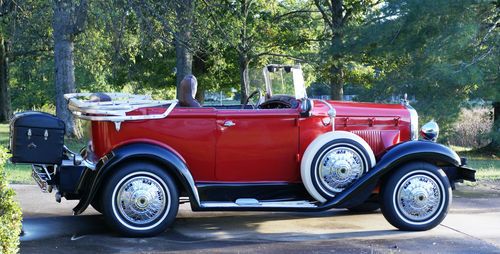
<point x="430" y="131"/>
<point x="413" y="122"/>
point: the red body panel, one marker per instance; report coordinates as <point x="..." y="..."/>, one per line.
<point x="264" y="145"/>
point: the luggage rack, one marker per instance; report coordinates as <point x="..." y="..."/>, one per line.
<point x="114" y="107"/>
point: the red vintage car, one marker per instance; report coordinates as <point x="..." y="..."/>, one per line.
<point x="280" y="153"/>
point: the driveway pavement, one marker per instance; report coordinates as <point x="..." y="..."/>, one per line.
<point x="472" y="226"/>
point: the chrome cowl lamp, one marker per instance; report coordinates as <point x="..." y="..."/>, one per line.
<point x="430" y="131"/>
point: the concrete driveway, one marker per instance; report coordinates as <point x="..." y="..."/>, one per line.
<point x="472" y="226"/>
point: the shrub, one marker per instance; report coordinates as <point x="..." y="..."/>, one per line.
<point x="10" y="213"/>
<point x="472" y="128"/>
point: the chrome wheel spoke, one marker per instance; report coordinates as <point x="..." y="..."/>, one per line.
<point x="141" y="199"/>
<point x="419" y="197"/>
<point x="339" y="167"/>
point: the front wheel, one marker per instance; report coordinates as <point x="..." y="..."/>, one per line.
<point x="140" y="199"/>
<point x="417" y="197"/>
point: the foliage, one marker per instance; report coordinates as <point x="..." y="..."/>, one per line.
<point x="471" y="128"/>
<point x="432" y="50"/>
<point x="441" y="52"/>
<point x="10" y="213"/>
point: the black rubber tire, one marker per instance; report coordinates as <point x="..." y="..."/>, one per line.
<point x="138" y="169"/>
<point x="367" y="207"/>
<point x="391" y="209"/>
<point x="342" y="142"/>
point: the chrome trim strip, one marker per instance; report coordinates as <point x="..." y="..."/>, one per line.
<point x="413" y="121"/>
<point x="271" y="204"/>
<point x="332" y="113"/>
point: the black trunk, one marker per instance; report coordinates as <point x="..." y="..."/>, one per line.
<point x="5" y="107"/>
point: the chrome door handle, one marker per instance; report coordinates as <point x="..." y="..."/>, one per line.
<point x="229" y="123"/>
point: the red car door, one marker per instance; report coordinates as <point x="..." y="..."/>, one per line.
<point x="257" y="145"/>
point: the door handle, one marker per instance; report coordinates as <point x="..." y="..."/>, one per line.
<point x="229" y="123"/>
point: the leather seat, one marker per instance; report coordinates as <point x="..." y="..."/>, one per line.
<point x="187" y="91"/>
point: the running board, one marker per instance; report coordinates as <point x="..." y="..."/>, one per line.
<point x="245" y="203"/>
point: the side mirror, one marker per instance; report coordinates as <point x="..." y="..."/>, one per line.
<point x="306" y="107"/>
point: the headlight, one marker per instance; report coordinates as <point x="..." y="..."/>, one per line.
<point x="413" y="122"/>
<point x="430" y="131"/>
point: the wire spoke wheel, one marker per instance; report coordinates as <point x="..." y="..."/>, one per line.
<point x="416" y="197"/>
<point x="141" y="200"/>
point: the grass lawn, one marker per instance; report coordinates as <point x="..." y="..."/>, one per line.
<point x="487" y="167"/>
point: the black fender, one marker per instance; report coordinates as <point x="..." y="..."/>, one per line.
<point x="395" y="157"/>
<point x="170" y="161"/>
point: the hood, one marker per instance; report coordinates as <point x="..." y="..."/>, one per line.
<point x="353" y="109"/>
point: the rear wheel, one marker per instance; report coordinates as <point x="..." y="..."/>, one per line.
<point x="417" y="197"/>
<point x="140" y="200"/>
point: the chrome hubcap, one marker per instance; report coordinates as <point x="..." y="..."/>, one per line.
<point x="339" y="167"/>
<point x="418" y="197"/>
<point x="141" y="199"/>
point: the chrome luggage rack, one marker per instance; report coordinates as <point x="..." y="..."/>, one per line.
<point x="41" y="175"/>
<point x="115" y="108"/>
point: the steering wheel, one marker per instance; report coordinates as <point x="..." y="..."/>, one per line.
<point x="249" y="97"/>
<point x="279" y="101"/>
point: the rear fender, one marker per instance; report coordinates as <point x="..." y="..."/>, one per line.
<point x="167" y="158"/>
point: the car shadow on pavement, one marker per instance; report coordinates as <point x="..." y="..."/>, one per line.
<point x="201" y="231"/>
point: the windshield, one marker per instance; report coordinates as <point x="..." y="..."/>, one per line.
<point x="284" y="80"/>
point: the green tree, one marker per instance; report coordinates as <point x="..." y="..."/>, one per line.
<point x="339" y="17"/>
<point x="433" y="51"/>
<point x="5" y="105"/>
<point x="256" y="29"/>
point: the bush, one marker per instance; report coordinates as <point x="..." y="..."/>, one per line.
<point x="10" y="213"/>
<point x="472" y="128"/>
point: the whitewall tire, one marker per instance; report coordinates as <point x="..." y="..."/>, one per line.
<point x="416" y="197"/>
<point x="140" y="199"/>
<point x="333" y="161"/>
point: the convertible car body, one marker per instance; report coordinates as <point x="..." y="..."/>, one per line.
<point x="285" y="153"/>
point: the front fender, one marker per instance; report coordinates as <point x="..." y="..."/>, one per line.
<point x="396" y="156"/>
<point x="144" y="151"/>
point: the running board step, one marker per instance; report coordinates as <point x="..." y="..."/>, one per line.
<point x="250" y="202"/>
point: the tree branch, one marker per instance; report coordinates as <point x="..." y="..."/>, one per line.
<point x="293" y="13"/>
<point x="280" y="55"/>
<point x="325" y="16"/>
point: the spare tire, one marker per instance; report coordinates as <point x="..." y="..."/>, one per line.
<point x="333" y="161"/>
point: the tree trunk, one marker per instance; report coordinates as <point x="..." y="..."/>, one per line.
<point x="5" y="107"/>
<point x="184" y="57"/>
<point x="64" y="82"/>
<point x="335" y="15"/>
<point x="200" y="94"/>
<point x="68" y="21"/>
<point x="337" y="83"/>
<point x="495" y="139"/>
<point x="244" y="77"/>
